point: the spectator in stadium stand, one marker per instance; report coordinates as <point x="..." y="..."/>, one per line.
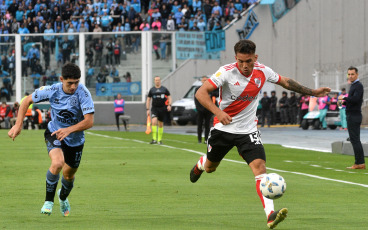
<point x="109" y="54"/>
<point x="98" y="51"/>
<point x="66" y="49"/>
<point x="216" y="7"/>
<point x="201" y="25"/>
<point x="195" y="27"/>
<point x="178" y="15"/>
<point x="165" y="12"/>
<point x="183" y="25"/>
<point x="46" y="55"/>
<point x="293" y="108"/>
<point x="156" y="25"/>
<point x="196" y="4"/>
<point x="23" y="30"/>
<point x="170" y="24"/>
<point x="217" y="26"/>
<point x="97" y="29"/>
<point x="212" y="22"/>
<point x="49" y="39"/>
<point x="273" y="107"/>
<point x="175" y="7"/>
<point x="59" y="23"/>
<point x="144" y="26"/>
<point x="284" y="108"/>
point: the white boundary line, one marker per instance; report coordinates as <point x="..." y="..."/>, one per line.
<point x="239" y="162"/>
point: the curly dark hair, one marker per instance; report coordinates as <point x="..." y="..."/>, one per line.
<point x="70" y="71"/>
<point x="245" y="47"/>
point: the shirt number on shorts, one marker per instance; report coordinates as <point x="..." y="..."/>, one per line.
<point x="255" y="138"/>
<point x="78" y="156"/>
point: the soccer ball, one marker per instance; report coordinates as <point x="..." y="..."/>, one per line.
<point x="272" y="186"/>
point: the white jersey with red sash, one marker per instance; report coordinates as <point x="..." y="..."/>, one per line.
<point x="239" y="95"/>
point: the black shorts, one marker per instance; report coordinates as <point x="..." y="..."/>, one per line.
<point x="249" y="146"/>
<point x="159" y="112"/>
<point x="72" y="155"/>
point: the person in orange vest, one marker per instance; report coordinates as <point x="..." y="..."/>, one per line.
<point x="37" y="118"/>
<point x="5" y="114"/>
<point x="28" y="113"/>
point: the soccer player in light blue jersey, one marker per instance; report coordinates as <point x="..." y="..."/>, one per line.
<point x="72" y="112"/>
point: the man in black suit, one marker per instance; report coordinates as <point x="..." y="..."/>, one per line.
<point x="354" y="116"/>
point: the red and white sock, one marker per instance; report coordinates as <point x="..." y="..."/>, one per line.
<point x="201" y="162"/>
<point x="267" y="203"/>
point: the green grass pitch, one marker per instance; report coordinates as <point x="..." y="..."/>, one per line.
<point x="125" y="183"/>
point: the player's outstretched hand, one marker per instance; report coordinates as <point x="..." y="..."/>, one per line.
<point x="61" y="133"/>
<point x="323" y="91"/>
<point x="14" y="132"/>
<point x="224" y="118"/>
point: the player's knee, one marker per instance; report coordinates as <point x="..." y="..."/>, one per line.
<point x="58" y="165"/>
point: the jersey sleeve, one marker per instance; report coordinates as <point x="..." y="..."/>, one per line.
<point x="86" y="101"/>
<point x="217" y="79"/>
<point x="167" y="92"/>
<point x="271" y="75"/>
<point x="42" y="94"/>
<point x="149" y="93"/>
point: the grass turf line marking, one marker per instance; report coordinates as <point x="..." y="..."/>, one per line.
<point x="239" y="162"/>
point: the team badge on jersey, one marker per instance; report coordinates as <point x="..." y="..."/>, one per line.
<point x="73" y="101"/>
<point x="258" y="81"/>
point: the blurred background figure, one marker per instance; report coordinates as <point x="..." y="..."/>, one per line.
<point x="119" y="110"/>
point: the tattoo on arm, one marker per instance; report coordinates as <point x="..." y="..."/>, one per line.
<point x="295" y="86"/>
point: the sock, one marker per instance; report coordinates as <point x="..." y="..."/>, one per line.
<point x="51" y="184"/>
<point x="267" y="203"/>
<point x="201" y="162"/>
<point x="66" y="188"/>
<point x="160" y="132"/>
<point x="154" y="132"/>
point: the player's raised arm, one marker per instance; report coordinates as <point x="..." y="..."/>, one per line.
<point x="17" y="128"/>
<point x="293" y="85"/>
<point x="203" y="97"/>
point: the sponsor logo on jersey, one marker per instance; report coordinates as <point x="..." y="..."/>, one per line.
<point x="65" y="116"/>
<point x="243" y="98"/>
<point x="237" y="83"/>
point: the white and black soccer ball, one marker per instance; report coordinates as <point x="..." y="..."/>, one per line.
<point x="272" y="186"/>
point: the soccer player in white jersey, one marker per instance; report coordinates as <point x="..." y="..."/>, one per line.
<point x="72" y="112"/>
<point x="235" y="123"/>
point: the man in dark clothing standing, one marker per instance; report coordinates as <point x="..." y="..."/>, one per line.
<point x="273" y="107"/>
<point x="353" y="104"/>
<point x="284" y="105"/>
<point x="293" y="108"/>
<point x="203" y="115"/>
<point x="265" y="112"/>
